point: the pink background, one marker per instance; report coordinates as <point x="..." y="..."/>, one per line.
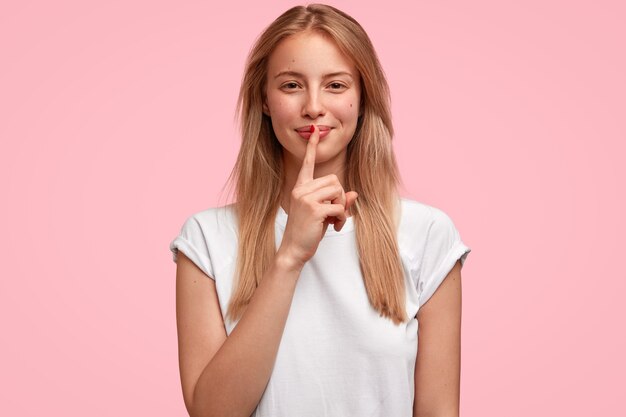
<point x="117" y="124"/>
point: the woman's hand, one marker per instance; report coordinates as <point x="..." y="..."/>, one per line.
<point x="314" y="204"/>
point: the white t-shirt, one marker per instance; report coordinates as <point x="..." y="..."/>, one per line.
<point x="337" y="357"/>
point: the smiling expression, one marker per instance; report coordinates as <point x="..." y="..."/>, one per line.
<point x="309" y="81"/>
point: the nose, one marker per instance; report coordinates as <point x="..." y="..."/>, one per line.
<point x="313" y="106"/>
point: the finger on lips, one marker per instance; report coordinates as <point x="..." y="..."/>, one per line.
<point x="308" y="163"/>
<point x="306" y="176"/>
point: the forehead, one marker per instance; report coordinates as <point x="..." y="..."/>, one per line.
<point x="309" y="53"/>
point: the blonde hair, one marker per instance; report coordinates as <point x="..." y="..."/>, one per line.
<point x="371" y="168"/>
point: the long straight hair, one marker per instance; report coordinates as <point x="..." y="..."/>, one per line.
<point x="371" y="168"/>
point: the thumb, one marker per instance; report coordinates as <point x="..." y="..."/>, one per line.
<point x="351" y="197"/>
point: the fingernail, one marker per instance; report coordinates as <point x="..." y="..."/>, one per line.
<point x="312" y="128"/>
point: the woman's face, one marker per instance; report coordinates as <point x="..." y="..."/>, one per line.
<point x="309" y="81"/>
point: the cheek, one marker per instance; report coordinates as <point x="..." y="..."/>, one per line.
<point x="347" y="109"/>
<point x="282" y="110"/>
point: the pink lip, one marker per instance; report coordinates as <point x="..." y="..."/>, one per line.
<point x="308" y="127"/>
<point x="307" y="134"/>
<point x="305" y="131"/>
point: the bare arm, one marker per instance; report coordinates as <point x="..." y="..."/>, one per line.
<point x="226" y="376"/>
<point x="438" y="363"/>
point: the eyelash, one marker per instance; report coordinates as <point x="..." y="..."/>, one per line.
<point x="337" y="83"/>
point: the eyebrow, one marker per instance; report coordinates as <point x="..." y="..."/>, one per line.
<point x="297" y="74"/>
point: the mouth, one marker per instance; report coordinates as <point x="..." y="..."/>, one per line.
<point x="305" y="131"/>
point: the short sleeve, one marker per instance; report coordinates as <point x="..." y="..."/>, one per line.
<point x="191" y="241"/>
<point x="442" y="249"/>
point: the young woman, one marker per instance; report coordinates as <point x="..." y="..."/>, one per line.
<point x="278" y="312"/>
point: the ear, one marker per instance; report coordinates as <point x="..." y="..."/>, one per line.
<point x="266" y="109"/>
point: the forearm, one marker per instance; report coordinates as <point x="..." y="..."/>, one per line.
<point x="234" y="380"/>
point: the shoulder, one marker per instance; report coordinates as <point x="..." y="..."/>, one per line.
<point x="420" y="222"/>
<point x="209" y="238"/>
<point x="419" y="217"/>
<point x="211" y="226"/>
<point x="214" y="213"/>
<point x="213" y="219"/>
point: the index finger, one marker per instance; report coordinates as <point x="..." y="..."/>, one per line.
<point x="308" y="163"/>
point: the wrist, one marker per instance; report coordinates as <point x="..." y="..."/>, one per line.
<point x="286" y="262"/>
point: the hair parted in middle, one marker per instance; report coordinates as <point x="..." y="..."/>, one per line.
<point x="371" y="168"/>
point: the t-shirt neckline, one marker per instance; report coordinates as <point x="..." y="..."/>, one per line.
<point x="348" y="227"/>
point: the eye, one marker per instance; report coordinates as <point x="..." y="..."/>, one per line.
<point x="337" y="86"/>
<point x="290" y="85"/>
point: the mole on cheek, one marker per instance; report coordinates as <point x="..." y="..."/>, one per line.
<point x="350" y="104"/>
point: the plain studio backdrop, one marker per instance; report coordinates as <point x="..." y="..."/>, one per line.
<point x="116" y="121"/>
